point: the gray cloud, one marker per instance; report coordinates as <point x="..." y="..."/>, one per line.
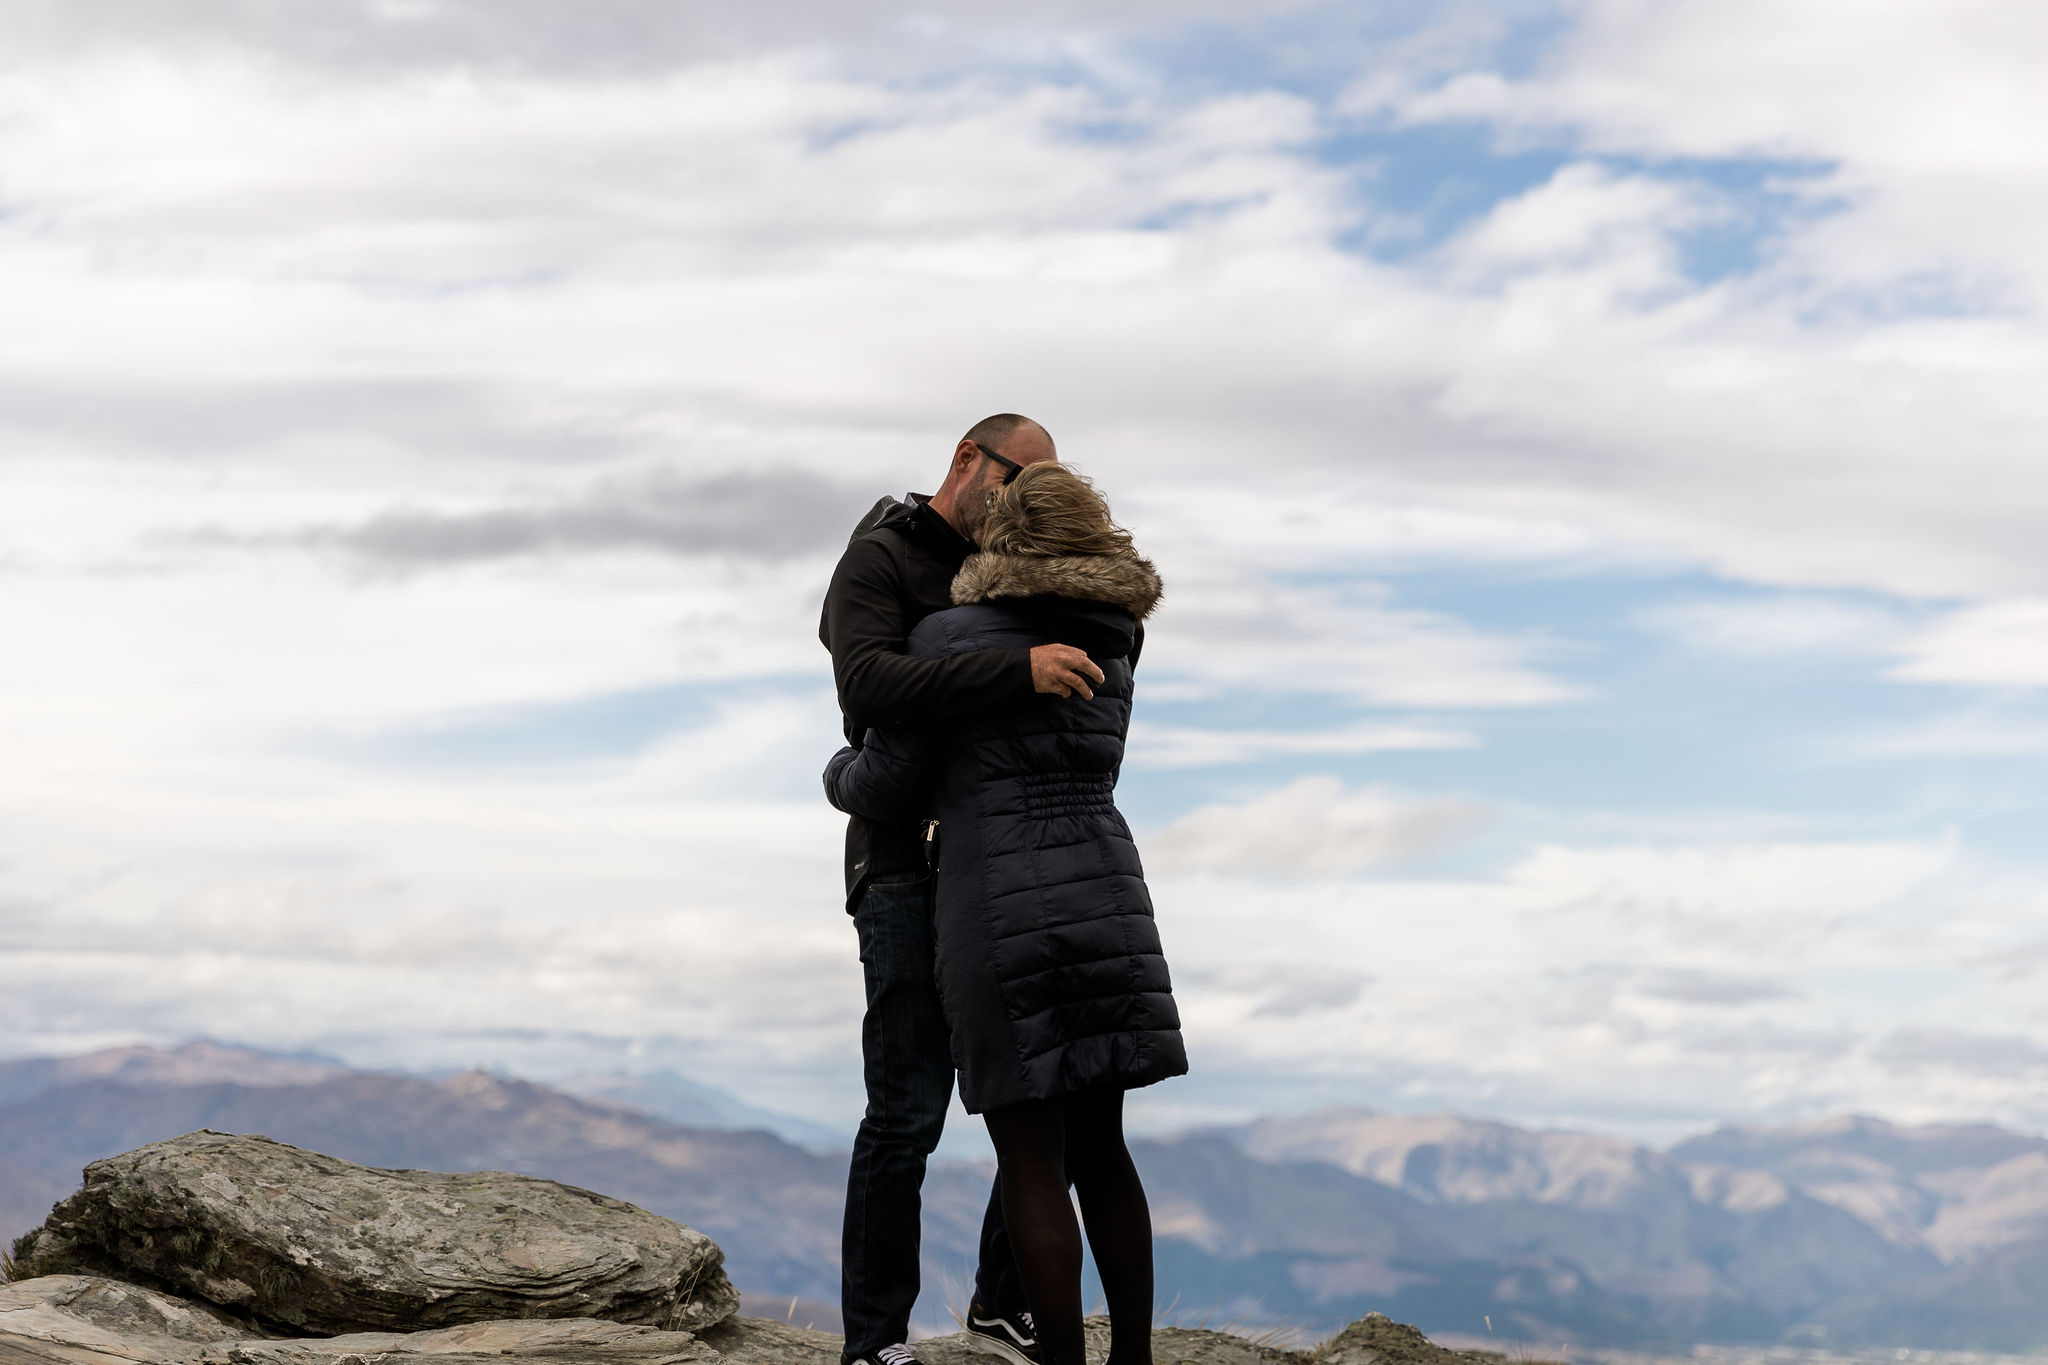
<point x="1692" y="987"/>
<point x="1285" y="990"/>
<point x="752" y="516"/>
<point x="578" y="37"/>
<point x="1941" y="1049"/>
<point x="430" y="416"/>
<point x="1765" y="1038"/>
<point x="1315" y="826"/>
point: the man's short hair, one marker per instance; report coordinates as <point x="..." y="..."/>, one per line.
<point x="990" y="432"/>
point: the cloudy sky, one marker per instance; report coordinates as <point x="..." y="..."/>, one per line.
<point x="1597" y="451"/>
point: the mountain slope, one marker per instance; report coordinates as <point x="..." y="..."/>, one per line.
<point x="194" y="1063"/>
<point x="677" y="1098"/>
<point x="1856" y="1229"/>
<point x="774" y="1207"/>
<point x="1959" y="1191"/>
<point x="1640" y="1260"/>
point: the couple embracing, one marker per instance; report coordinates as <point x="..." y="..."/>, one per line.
<point x="983" y="641"/>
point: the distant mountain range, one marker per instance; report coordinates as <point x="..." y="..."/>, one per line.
<point x="1852" y="1231"/>
<point x="675" y="1097"/>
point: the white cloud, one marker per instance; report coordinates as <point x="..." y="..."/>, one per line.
<point x="1977" y="732"/>
<point x="412" y="917"/>
<point x="1312" y="826"/>
<point x="1157" y="746"/>
<point x="1998" y="644"/>
<point x="1780" y="889"/>
<point x="271" y="278"/>
<point x="1928" y="109"/>
<point x="1924" y="199"/>
<point x="1790" y="623"/>
<point x="1639" y="987"/>
<point x="1219" y="633"/>
<point x="790" y="248"/>
<point x="1304" y="522"/>
<point x="1582" y="216"/>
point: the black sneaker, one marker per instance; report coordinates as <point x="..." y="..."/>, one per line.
<point x="1009" y="1335"/>
<point x="899" y="1354"/>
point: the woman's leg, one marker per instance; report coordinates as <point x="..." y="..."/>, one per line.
<point x="1031" y="1141"/>
<point x="1119" y="1220"/>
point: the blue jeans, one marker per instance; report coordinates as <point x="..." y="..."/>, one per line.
<point x="907" y="1060"/>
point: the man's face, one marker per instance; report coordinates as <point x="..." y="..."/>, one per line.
<point x="1024" y="446"/>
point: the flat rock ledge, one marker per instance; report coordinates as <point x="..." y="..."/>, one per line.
<point x="1375" y="1339"/>
<point x="310" y="1244"/>
<point x="90" y="1320"/>
<point x="86" y="1320"/>
<point x="84" y="1317"/>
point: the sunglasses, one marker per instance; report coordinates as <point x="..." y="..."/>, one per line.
<point x="1011" y="469"/>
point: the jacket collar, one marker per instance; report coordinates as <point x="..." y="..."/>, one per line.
<point x="912" y="516"/>
<point x="1126" y="581"/>
<point x="934" y="530"/>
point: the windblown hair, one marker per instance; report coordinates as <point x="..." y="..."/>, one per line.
<point x="1049" y="533"/>
<point x="1051" y="511"/>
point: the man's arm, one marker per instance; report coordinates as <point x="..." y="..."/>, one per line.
<point x="887" y="778"/>
<point x="879" y="684"/>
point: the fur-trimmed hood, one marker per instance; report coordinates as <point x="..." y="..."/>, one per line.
<point x="1127" y="581"/>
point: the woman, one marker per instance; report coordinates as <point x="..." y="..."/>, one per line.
<point x="1049" y="962"/>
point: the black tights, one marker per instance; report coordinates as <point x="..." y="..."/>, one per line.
<point x="1043" y="1147"/>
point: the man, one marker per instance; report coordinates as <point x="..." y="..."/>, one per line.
<point x="898" y="568"/>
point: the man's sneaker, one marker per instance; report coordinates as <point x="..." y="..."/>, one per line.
<point x="1009" y="1335"/>
<point x="899" y="1354"/>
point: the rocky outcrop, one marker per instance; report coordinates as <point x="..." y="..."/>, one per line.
<point x="86" y="1320"/>
<point x="311" y="1244"/>
<point x="1377" y="1339"/>
<point x="254" y="1250"/>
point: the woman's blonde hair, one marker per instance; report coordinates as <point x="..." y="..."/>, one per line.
<point x="1049" y="510"/>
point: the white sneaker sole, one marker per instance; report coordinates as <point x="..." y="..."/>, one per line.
<point x="991" y="1345"/>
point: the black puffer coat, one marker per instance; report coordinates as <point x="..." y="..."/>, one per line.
<point x="1049" y="959"/>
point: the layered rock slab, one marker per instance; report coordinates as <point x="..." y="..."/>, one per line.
<point x="560" y="1341"/>
<point x="316" y="1245"/>
<point x="83" y="1318"/>
<point x="764" y="1341"/>
<point x="86" y="1320"/>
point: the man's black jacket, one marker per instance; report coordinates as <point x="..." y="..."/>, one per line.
<point x="897" y="570"/>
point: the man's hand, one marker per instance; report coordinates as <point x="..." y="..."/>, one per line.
<point x="1063" y="670"/>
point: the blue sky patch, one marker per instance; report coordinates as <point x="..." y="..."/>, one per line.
<point x="576" y="729"/>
